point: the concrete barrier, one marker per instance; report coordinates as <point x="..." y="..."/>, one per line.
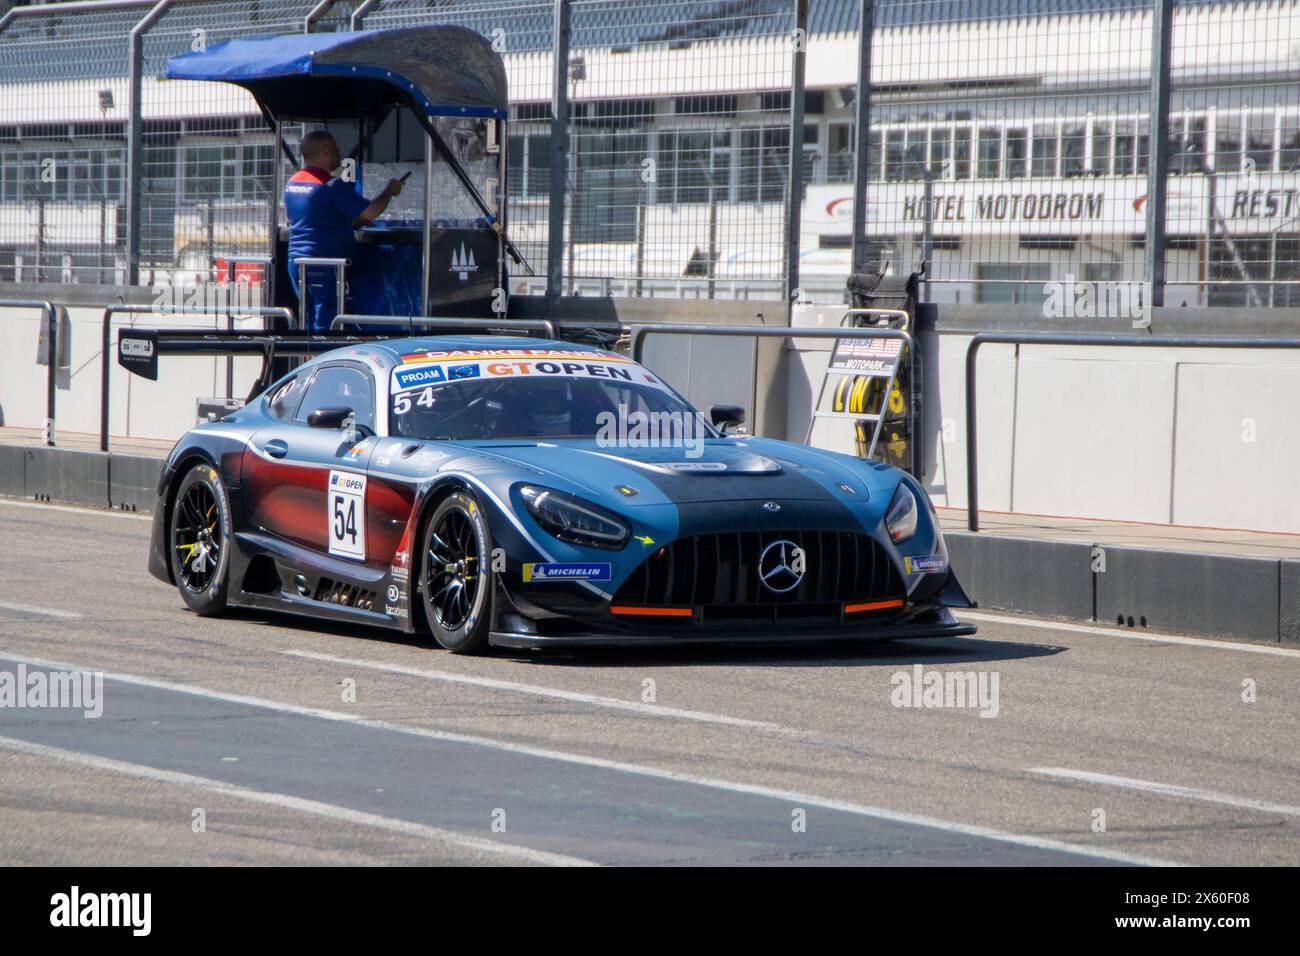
<point x="1024" y="574"/>
<point x="133" y="481"/>
<point x="73" y="476"/>
<point x="64" y="474"/>
<point x="1288" y="612"/>
<point x="1231" y="595"/>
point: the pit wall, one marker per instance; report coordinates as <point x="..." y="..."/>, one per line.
<point x="1184" y="436"/>
<point x="138" y="408"/>
<point x="1204" y="437"/>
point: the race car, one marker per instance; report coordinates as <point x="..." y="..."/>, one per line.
<point x="527" y="493"/>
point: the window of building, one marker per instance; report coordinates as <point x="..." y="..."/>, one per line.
<point x="941" y="152"/>
<point x="529" y="165"/>
<point x="989" y="152"/>
<point x="961" y="152"/>
<point x="1288" y="154"/>
<point x="609" y="187"/>
<point x="1190" y="157"/>
<point x="1125" y="161"/>
<point x="1227" y="143"/>
<point x="1044" y="151"/>
<point x="840" y="160"/>
<point x="1011" y="282"/>
<point x="1101" y="272"/>
<point x="692" y="166"/>
<point x="895" y="155"/>
<point x="1074" y="144"/>
<point x="1101" y="158"/>
<point x="1017" y="152"/>
<point x="87" y="175"/>
<point x="1259" y="141"/>
<point x="763" y="164"/>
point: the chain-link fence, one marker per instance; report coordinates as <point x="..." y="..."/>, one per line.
<point x="63" y="102"/>
<point x="207" y="158"/>
<point x="1009" y="145"/>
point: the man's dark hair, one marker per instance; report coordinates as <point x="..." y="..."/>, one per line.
<point x="313" y="144"/>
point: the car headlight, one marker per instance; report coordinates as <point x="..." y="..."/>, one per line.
<point x="572" y="519"/>
<point x="900" y="519"/>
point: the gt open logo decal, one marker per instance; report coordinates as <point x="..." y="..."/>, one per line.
<point x="567" y="572"/>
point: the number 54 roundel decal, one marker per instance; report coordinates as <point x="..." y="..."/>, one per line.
<point x="345" y="512"/>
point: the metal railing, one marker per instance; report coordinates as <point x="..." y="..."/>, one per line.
<point x="105" y="355"/>
<point x="340" y="267"/>
<point x="50" y="318"/>
<point x="1062" y="338"/>
<point x="233" y="260"/>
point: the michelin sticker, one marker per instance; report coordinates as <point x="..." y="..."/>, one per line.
<point x="537" y="573"/>
<point x="925" y="562"/>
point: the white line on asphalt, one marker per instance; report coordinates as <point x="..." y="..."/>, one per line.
<point x="535" y="690"/>
<point x="100" y="512"/>
<point x="1131" y="635"/>
<point x="1169" y="790"/>
<point x="793" y="797"/>
<point x="285" y="801"/>
<point x="33" y="609"/>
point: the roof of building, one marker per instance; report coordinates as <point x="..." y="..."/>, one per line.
<point x="83" y="42"/>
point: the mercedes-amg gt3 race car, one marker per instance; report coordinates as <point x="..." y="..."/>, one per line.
<point x="489" y="490"/>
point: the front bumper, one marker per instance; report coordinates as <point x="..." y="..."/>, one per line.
<point x="935" y="622"/>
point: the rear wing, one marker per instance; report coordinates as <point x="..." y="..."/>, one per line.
<point x="139" y="349"/>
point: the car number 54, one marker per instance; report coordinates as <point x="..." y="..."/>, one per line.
<point x="346" y="514"/>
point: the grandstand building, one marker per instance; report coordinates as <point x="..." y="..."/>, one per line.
<point x="1009" y="139"/>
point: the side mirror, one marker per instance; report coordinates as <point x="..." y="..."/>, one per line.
<point x="727" y="416"/>
<point x="335" y="416"/>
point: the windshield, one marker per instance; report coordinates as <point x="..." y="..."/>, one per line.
<point x="532" y="394"/>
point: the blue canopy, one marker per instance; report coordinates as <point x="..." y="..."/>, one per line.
<point x="441" y="70"/>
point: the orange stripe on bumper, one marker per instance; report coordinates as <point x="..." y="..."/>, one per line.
<point x="872" y="606"/>
<point x="652" y="611"/>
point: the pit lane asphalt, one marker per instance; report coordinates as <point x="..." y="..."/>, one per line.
<point x="244" y="718"/>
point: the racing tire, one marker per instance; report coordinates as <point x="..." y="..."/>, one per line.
<point x="456" y="575"/>
<point x="198" y="540"/>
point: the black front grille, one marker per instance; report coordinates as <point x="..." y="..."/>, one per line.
<point x="721" y="571"/>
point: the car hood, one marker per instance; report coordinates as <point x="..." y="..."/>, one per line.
<point x="723" y="469"/>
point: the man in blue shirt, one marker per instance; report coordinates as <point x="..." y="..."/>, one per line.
<point x="323" y="212"/>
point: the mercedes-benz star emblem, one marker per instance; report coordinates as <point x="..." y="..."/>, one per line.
<point x="781" y="566"/>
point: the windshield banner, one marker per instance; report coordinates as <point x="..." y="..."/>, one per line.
<point x="440" y="368"/>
